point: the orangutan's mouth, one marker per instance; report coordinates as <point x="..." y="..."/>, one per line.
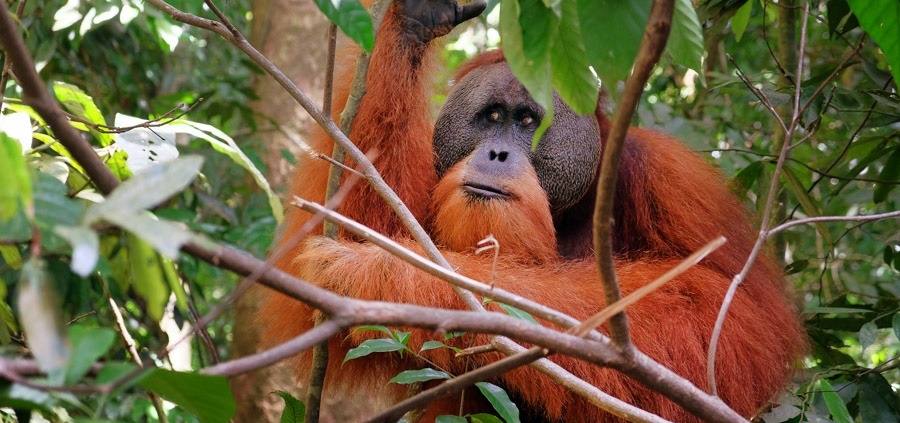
<point x="483" y="191"/>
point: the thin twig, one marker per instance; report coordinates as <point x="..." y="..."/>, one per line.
<point x="766" y="217"/>
<point x="131" y="346"/>
<point x="652" y="45"/>
<point x="316" y="382"/>
<point x="817" y="219"/>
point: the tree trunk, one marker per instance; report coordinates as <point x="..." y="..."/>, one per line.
<point x="286" y="32"/>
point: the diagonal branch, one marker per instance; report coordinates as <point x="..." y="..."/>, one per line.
<point x="767" y="212"/>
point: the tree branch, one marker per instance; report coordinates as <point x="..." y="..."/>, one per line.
<point x="767" y="213"/>
<point x="816" y="219"/>
<point x="652" y="45"/>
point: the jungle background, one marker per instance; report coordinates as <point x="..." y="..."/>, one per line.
<point x="115" y="63"/>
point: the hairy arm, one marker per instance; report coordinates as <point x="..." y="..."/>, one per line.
<point x="672" y="325"/>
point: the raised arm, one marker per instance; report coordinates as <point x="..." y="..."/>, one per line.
<point x="392" y="121"/>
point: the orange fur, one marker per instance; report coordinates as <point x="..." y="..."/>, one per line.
<point x="522" y="225"/>
<point x="668" y="203"/>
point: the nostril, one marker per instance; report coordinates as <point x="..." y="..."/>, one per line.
<point x="492" y="155"/>
<point x="502" y="156"/>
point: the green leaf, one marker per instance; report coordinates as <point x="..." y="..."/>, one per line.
<point x="207" y="397"/>
<point x="539" y="26"/>
<point x="740" y="19"/>
<point x="146" y="276"/>
<point x="165" y="236"/>
<point x="796" y="266"/>
<point x="807" y="203"/>
<point x="113" y="370"/>
<point x="224" y="144"/>
<point x="572" y="75"/>
<point x="484" y="418"/>
<point x="15" y="190"/>
<point x="685" y="44"/>
<point x="890" y="172"/>
<point x="612" y="52"/>
<point x="877" y="401"/>
<point x="879" y="19"/>
<point x="373" y="346"/>
<point x="450" y="419"/>
<point x="533" y="73"/>
<point x="432" y="345"/>
<point x="294" y="409"/>
<point x="747" y="177"/>
<point x="85" y="247"/>
<point x="517" y="313"/>
<point x="78" y="103"/>
<point x="147" y="189"/>
<point x="352" y="18"/>
<point x="88" y="345"/>
<point x="835" y="404"/>
<point x="407" y="377"/>
<point x="500" y="400"/>
<point x="39" y="313"/>
<point x="867" y="335"/>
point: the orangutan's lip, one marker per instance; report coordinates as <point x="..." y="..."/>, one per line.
<point x="485" y="191"/>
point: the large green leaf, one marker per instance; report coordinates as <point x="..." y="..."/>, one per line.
<point x="534" y="73"/>
<point x="500" y="400"/>
<point x="207" y="397"/>
<point x="88" y="344"/>
<point x="880" y="20"/>
<point x="78" y="103"/>
<point x="352" y="18"/>
<point x="148" y="189"/>
<point x="572" y="76"/>
<point x="685" y="45"/>
<point x="615" y="34"/>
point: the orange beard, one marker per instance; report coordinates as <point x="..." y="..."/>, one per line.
<point x="521" y="224"/>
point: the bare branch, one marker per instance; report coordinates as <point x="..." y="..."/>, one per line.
<point x="4" y="68"/>
<point x="767" y="213"/>
<point x="652" y="45"/>
<point x="816" y="219"/>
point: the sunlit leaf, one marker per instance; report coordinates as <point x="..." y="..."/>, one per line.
<point x="15" y="190"/>
<point x="500" y="401"/>
<point x="207" y="397"/>
<point x="517" y="313"/>
<point x="18" y="127"/>
<point x="450" y="419"/>
<point x="352" y="18"/>
<point x="67" y="15"/>
<point x="82" y="105"/>
<point x="484" y="418"/>
<point x="85" y="247"/>
<point x="432" y="345"/>
<point x="407" y="377"/>
<point x="148" y="189"/>
<point x="867" y="335"/>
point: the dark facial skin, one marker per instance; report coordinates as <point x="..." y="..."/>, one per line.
<point x="490" y="116"/>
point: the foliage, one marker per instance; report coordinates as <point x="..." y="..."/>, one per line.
<point x="68" y="256"/>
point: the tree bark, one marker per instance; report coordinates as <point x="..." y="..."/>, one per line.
<point x="279" y="28"/>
